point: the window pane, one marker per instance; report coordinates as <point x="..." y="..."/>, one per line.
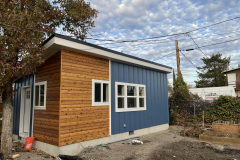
<point x="121" y="102"/>
<point x="131" y="91"/>
<point x="121" y="90"/>
<point x="131" y="102"/>
<point x="42" y="95"/>
<point x="141" y="91"/>
<point x="141" y="102"/>
<point x="105" y="93"/>
<point x="36" y="95"/>
<point x="27" y="94"/>
<point x="97" y="92"/>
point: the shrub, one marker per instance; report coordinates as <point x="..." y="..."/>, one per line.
<point x="227" y="108"/>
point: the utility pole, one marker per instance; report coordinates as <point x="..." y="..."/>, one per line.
<point x="178" y="59"/>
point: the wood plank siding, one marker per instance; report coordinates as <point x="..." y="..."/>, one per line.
<point x="46" y="122"/>
<point x="79" y="120"/>
<point x="69" y="116"/>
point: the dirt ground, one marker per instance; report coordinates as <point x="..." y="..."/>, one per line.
<point x="165" y="145"/>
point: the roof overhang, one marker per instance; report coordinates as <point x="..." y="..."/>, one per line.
<point x="57" y="42"/>
<point x="231" y="70"/>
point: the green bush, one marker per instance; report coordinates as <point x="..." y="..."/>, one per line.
<point x="227" y="109"/>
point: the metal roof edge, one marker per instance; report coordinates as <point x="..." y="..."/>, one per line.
<point x="101" y="48"/>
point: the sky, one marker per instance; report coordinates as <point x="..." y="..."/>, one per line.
<point x="141" y="19"/>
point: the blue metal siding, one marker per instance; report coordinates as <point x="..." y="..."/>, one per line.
<point x="27" y="81"/>
<point x="156" y="98"/>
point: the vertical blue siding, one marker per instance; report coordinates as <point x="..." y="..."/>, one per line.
<point x="156" y="98"/>
<point x="27" y="81"/>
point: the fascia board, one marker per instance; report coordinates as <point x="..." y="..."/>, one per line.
<point x="102" y="53"/>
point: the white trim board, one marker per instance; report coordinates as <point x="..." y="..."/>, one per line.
<point x="56" y="44"/>
<point x="110" y="99"/>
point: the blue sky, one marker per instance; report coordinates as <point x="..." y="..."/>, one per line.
<point x="137" y="19"/>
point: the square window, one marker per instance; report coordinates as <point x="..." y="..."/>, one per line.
<point x="105" y="93"/>
<point x="40" y="95"/>
<point x="37" y="95"/>
<point x="97" y="92"/>
<point x="141" y="102"/>
<point x="131" y="102"/>
<point x="120" y="102"/>
<point x="100" y="92"/>
<point x="141" y="91"/>
<point x="131" y="91"/>
<point x="120" y="90"/>
<point x="130" y="97"/>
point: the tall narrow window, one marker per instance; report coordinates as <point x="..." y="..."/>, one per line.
<point x="40" y="95"/>
<point x="100" y="92"/>
<point x="130" y="97"/>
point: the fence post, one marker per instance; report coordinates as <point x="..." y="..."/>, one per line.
<point x="203" y="119"/>
<point x="194" y="108"/>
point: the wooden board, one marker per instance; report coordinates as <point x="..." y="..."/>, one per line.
<point x="46" y="122"/>
<point x="79" y="120"/>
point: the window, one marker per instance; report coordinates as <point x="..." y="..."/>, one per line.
<point x="40" y="95"/>
<point x="130" y="97"/>
<point x="100" y="92"/>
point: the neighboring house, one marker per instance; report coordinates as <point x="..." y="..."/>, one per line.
<point x="212" y="93"/>
<point x="233" y="77"/>
<point x="85" y="95"/>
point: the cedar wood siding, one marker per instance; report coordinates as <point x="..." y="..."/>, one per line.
<point x="46" y="122"/>
<point x="79" y="120"/>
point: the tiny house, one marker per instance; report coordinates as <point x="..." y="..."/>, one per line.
<point x="84" y="95"/>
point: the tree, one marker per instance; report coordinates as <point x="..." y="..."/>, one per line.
<point x="179" y="98"/>
<point x="210" y="74"/>
<point x="24" y="25"/>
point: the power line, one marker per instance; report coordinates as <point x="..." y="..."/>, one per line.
<point x="188" y="59"/>
<point x="143" y="39"/>
<point x="196" y="45"/>
<point x="217" y="43"/>
<point x="163" y="56"/>
<point x="197" y="48"/>
<point x="215" y="34"/>
<point x="137" y="40"/>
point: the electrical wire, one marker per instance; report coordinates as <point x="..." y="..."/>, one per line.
<point x="200" y="37"/>
<point x="163" y="56"/>
<point x="217" y="43"/>
<point x="169" y="35"/>
<point x="196" y="45"/>
<point x="188" y="59"/>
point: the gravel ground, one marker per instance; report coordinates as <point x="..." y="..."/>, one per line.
<point x="165" y="145"/>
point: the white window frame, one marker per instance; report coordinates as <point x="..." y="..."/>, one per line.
<point x="93" y="91"/>
<point x="126" y="109"/>
<point x="45" y="93"/>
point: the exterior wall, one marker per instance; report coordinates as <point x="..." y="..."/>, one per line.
<point x="156" y="97"/>
<point x="79" y="120"/>
<point x="25" y="81"/>
<point x="237" y="89"/>
<point x="46" y="122"/>
<point x="238" y="80"/>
